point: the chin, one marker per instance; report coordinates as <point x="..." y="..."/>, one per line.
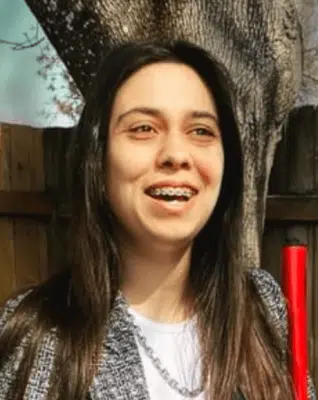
<point x="177" y="236"/>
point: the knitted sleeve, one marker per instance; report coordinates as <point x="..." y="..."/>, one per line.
<point x="9" y="369"/>
<point x="38" y="384"/>
<point x="275" y="302"/>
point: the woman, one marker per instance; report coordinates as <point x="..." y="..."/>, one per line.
<point x="153" y="301"/>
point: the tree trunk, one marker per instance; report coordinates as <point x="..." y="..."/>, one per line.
<point x="256" y="41"/>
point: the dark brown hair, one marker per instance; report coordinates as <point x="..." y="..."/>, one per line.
<point x="240" y="349"/>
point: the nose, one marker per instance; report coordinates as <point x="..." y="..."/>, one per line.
<point x="174" y="153"/>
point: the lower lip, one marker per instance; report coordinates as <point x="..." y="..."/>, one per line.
<point x="172" y="207"/>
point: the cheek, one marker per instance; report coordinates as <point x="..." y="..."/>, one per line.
<point x="124" y="168"/>
<point x="211" y="167"/>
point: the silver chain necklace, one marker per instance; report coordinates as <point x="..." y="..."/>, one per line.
<point x="164" y="373"/>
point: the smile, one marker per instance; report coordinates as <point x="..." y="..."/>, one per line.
<point x="171" y="200"/>
<point x="173" y="194"/>
<point x="169" y="193"/>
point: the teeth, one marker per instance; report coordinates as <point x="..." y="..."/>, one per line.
<point x="169" y="191"/>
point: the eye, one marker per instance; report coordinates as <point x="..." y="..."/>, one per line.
<point x="203" y="133"/>
<point x="142" y="132"/>
<point x="141" y="128"/>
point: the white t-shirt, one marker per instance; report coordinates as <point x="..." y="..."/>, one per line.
<point x="177" y="347"/>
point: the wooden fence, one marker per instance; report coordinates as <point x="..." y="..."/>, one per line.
<point x="23" y="241"/>
<point x="30" y="168"/>
<point x="293" y="212"/>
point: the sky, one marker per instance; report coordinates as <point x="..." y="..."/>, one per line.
<point x="25" y="96"/>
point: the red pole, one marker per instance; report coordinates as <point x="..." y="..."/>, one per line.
<point x="294" y="258"/>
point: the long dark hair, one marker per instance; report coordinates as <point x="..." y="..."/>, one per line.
<point x="240" y="350"/>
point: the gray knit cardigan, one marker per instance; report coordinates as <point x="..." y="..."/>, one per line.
<point x="120" y="375"/>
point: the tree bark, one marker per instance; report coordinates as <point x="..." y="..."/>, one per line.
<point x="258" y="43"/>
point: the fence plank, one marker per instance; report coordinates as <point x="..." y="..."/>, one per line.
<point x="7" y="270"/>
<point x="30" y="254"/>
<point x="7" y="265"/>
<point x="28" y="174"/>
<point x="5" y="157"/>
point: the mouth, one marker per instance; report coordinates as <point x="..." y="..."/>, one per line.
<point x="171" y="193"/>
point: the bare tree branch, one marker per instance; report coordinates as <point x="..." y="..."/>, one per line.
<point x="22" y="46"/>
<point x="28" y="43"/>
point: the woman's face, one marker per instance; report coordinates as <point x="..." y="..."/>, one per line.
<point x="164" y="162"/>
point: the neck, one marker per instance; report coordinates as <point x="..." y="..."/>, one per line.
<point x="154" y="281"/>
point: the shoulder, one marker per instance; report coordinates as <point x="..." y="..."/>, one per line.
<point x="272" y="296"/>
<point x="275" y="303"/>
<point x="42" y="364"/>
<point x="10" y="362"/>
<point x="9" y="307"/>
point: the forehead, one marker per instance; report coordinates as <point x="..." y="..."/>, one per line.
<point x="167" y="86"/>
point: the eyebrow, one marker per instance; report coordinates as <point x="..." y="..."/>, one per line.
<point x="204" y="114"/>
<point x="153" y="112"/>
<point x="141" y="110"/>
